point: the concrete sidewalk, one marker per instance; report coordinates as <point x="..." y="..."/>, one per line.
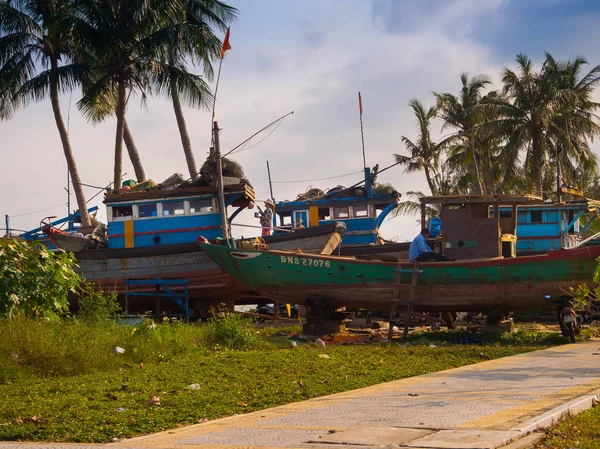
<point x="487" y="405"/>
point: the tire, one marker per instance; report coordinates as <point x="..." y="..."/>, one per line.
<point x="571" y="330"/>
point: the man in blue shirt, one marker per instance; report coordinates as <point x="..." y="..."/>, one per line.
<point x="421" y="252"/>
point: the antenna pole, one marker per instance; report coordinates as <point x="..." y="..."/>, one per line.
<point x="362" y="134"/>
<point x="270" y="184"/>
<point x="7" y="225"/>
<point x="220" y="189"/>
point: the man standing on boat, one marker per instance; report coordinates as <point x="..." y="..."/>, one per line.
<point x="421" y="252"/>
<point x="266" y="216"/>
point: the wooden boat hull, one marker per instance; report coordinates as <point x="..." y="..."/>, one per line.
<point x="507" y="284"/>
<point x="110" y="269"/>
<point x="323" y="239"/>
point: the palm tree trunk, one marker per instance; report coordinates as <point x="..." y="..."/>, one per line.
<point x="185" y="138"/>
<point x="134" y="156"/>
<point x="64" y="137"/>
<point x="432" y="186"/>
<point x="537" y="161"/>
<point x="121" y="102"/>
<point x="475" y="169"/>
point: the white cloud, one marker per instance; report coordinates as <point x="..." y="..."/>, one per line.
<point x="309" y="57"/>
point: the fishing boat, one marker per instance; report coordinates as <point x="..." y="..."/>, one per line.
<point x="483" y="285"/>
<point x="149" y="249"/>
<point x="552" y="225"/>
<point x="487" y="277"/>
<point x="540" y="226"/>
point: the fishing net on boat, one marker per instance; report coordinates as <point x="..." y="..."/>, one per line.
<point x="384" y="189"/>
<point x="230" y="169"/>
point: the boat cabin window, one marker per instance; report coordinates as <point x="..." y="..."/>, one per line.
<point x="341" y="212"/>
<point x="505" y="213"/>
<point x="147" y="210"/>
<point x="122" y="213"/>
<point x="360" y="211"/>
<point x="201" y="206"/>
<point x="173" y="208"/>
<point x="324" y="214"/>
<point x="536" y="216"/>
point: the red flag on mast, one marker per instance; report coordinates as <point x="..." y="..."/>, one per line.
<point x="226" y="45"/>
<point x="360" y="103"/>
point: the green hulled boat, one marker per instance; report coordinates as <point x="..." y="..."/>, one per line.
<point x="507" y="284"/>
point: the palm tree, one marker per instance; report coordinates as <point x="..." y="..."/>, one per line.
<point x="33" y="33"/>
<point x="466" y="146"/>
<point x="194" y="38"/>
<point x="424" y="153"/>
<point x="106" y="108"/>
<point x="575" y="124"/>
<point x="126" y="43"/>
<point x="548" y="116"/>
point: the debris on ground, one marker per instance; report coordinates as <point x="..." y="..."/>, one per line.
<point x="154" y="400"/>
<point x="320" y="343"/>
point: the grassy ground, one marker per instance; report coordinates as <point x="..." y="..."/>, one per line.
<point x="64" y="382"/>
<point x="581" y="432"/>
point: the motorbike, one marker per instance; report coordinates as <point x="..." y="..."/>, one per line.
<point x="567" y="320"/>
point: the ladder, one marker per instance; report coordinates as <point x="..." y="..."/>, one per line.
<point x="182" y="299"/>
<point x="398" y="286"/>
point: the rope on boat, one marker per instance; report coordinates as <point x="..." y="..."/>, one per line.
<point x="277" y="228"/>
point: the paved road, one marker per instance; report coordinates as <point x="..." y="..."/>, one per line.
<point x="482" y="406"/>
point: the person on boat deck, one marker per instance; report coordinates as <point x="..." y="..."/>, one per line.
<point x="266" y="216"/>
<point x="421" y="252"/>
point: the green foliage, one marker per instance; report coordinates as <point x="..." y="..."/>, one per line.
<point x="42" y="348"/>
<point x="582" y="295"/>
<point x="33" y="281"/>
<point x="96" y="306"/>
<point x="231" y="331"/>
<point x="68" y="375"/>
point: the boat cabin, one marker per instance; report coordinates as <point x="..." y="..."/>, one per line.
<point x="551" y="226"/>
<point x="362" y="208"/>
<point x="169" y="217"/>
<point x="473" y="227"/>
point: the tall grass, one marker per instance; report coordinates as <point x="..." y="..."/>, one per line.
<point x="72" y="347"/>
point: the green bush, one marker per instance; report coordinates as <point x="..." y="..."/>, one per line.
<point x="96" y="306"/>
<point x="231" y="331"/>
<point x="33" y="281"/>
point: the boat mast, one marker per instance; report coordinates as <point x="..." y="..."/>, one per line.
<point x="362" y="134"/>
<point x="220" y="189"/>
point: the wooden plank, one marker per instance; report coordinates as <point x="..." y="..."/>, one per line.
<point x="129" y="235"/>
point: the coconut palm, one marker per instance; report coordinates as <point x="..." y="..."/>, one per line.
<point x="424" y="153"/>
<point x="125" y="44"/>
<point x="35" y="62"/>
<point x="548" y="116"/>
<point x="106" y="108"/>
<point x="466" y="145"/>
<point x="194" y="38"/>
<point x="575" y="123"/>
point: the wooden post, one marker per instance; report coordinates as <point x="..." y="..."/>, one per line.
<point x="422" y="214"/>
<point x="411" y="299"/>
<point x="220" y="188"/>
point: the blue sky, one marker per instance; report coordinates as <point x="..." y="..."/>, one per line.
<point x="310" y="57"/>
